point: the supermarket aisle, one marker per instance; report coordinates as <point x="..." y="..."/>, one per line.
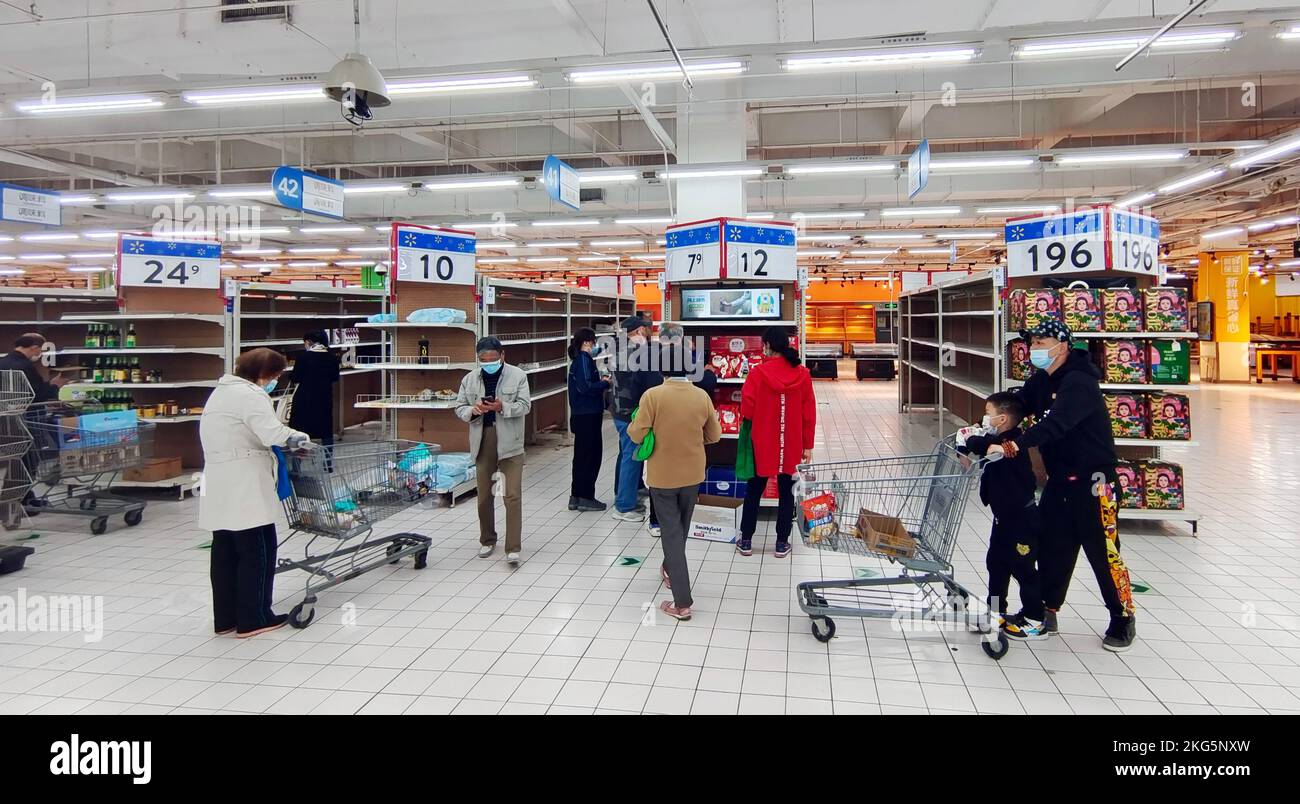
<point x="569" y="630"/>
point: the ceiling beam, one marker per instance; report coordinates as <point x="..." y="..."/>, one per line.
<point x="67" y="168"/>
<point x="1090" y="111"/>
<point x="579" y="25"/>
<point x="651" y="121"/>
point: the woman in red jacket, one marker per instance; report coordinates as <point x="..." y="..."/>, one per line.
<point x="778" y="400"/>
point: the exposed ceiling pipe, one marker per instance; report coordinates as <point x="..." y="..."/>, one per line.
<point x="686" y="76"/>
<point x="67" y="168"/>
<point x="1187" y="12"/>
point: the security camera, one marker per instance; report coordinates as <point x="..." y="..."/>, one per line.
<point x="358" y="87"/>
<point x="265" y="270"/>
<point x="381" y="268"/>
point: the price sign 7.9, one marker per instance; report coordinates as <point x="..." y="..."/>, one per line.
<point x="439" y="256"/>
<point x="691" y="251"/>
<point x="147" y="262"/>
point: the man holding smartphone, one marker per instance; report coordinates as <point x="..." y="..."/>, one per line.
<point x="494" y="400"/>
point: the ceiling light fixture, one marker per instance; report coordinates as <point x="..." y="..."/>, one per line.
<point x="42" y="256"/>
<point x="823" y="238"/>
<point x="95" y="255"/>
<point x="817" y="252"/>
<point x="760" y="216"/>
<point x="643" y="221"/>
<point x="283" y="94"/>
<point x="872" y="252"/>
<point x="1106" y="45"/>
<point x="552" y="244"/>
<point x="37" y="237"/>
<point x="247" y="192"/>
<point x="313" y="250"/>
<point x="819" y="216"/>
<point x="358" y="189"/>
<point x="1019" y="209"/>
<point x="473" y="184"/>
<point x="1119" y="157"/>
<point x="307" y="264"/>
<point x="1258" y="227"/>
<point x="1231" y="230"/>
<point x="965" y="235"/>
<point x="354" y="263"/>
<point x="1196" y="178"/>
<point x="151" y="195"/>
<point x="368" y="249"/>
<point x="888" y="57"/>
<point x="916" y="212"/>
<point x="941" y="165"/>
<point x="842" y="167"/>
<point x="1135" y="199"/>
<point x="252" y="252"/>
<point x="330" y="229"/>
<point x="656" y="71"/>
<point x="890" y="236"/>
<point x="709" y="173"/>
<point x="546" y="259"/>
<point x="472" y="225"/>
<point x="568" y="222"/>
<point x="607" y="178"/>
<point x="106" y="103"/>
<point x="87" y="269"/>
<point x="1290" y="33"/>
<point x="616" y="243"/>
<point x="1267" y="155"/>
<point x="77" y="200"/>
<point x="464" y="83"/>
<point x="864" y="262"/>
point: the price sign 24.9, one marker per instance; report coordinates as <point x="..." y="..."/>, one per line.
<point x="146" y="262"/>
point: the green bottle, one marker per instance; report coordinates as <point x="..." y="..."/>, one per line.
<point x="130" y="336"/>
<point x="98" y="374"/>
<point x="92" y="337"/>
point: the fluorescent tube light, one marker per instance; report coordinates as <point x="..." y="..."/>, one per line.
<point x="916" y="212"/>
<point x="649" y="256"/>
<point x="95" y="255"/>
<point x="1197" y="178"/>
<point x="256" y="251"/>
<point x="100" y="235"/>
<point x="817" y="216"/>
<point x="357" y="189"/>
<point x="661" y="71"/>
<point x="964" y="235"/>
<point x="367" y="249"/>
<point x="825" y="238"/>
<point x="473" y="184"/>
<point x="546" y="259"/>
<point x="1231" y="230"/>
<point x="154" y="195"/>
<point x="817" y="252"/>
<point x="330" y="229"/>
<point x="42" y="256"/>
<point x="38" y="237"/>
<point x="615" y="243"/>
<point x="842" y="167"/>
<point x="464" y="83"/>
<point x="976" y="164"/>
<point x="863" y="262"/>
<point x="929" y="251"/>
<point x="643" y="221"/>
<point x="607" y="178"/>
<point x="481" y="225"/>
<point x="1290" y="33"/>
<point x="760" y="216"/>
<point x="313" y="250"/>
<point x="568" y="222"/>
<point x="277" y="94"/>
<point x="494" y="244"/>
<point x="77" y="200"/>
<point x="1267" y="154"/>
<point x="1105" y="45"/>
<point x="12" y="272"/>
<point x="552" y="244"/>
<point x="105" y="103"/>
<point x="889" y="57"/>
<point x="890" y="236"/>
<point x="1118" y="157"/>
<point x="1258" y="227"/>
<point x="87" y="269"/>
<point x="872" y="252"/>
<point x="496" y="260"/>
<point x="354" y="263"/>
<point x="1019" y="209"/>
<point x="1134" y="199"/>
<point x="249" y="192"/>
<point x="604" y="258"/>
<point x="248" y="231"/>
<point x="710" y="173"/>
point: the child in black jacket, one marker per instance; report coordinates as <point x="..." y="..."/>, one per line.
<point x="1007" y="488"/>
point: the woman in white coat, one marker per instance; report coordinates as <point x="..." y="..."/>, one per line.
<point x="239" y="503"/>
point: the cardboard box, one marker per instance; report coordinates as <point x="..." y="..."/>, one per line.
<point x="1169" y="362"/>
<point x="885" y="534"/>
<point x="1081" y="309"/>
<point x="716" y="519"/>
<point x="153" y="469"/>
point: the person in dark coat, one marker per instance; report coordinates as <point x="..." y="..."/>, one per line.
<point x="315" y="372"/>
<point x="27" y="350"/>
<point x="586" y="415"/>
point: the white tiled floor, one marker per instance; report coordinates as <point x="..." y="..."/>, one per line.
<point x="565" y="633"/>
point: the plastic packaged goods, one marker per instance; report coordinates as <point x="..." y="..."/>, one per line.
<point x="1130" y="484"/>
<point x="1124" y="361"/>
<point x="1170" y="416"/>
<point x="1165" y="309"/>
<point x="436" y="315"/>
<point x="1162" y="485"/>
<point x="1128" y="415"/>
<point x="1018" y="365"/>
<point x="1029" y="307"/>
<point x="1169" y="362"/>
<point x="1121" y="309"/>
<point x="1081" y="309"/>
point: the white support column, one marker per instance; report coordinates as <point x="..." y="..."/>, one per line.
<point x="712" y="131"/>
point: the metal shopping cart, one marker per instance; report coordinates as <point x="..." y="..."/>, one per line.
<point x="78" y="448"/>
<point x="907" y="509"/>
<point x="339" y="494"/>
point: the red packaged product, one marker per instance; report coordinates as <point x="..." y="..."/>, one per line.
<point x="729" y="418"/>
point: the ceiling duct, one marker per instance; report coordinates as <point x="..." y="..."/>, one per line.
<point x="246" y="10"/>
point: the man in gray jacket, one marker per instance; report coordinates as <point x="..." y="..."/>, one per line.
<point x="494" y="400"/>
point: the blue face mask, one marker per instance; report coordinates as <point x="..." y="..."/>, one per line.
<point x="270" y="386"/>
<point x="1040" y="358"/>
<point x="491" y="368"/>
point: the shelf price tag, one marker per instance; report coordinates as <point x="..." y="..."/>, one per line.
<point x="438" y="256"/>
<point x="693" y="251"/>
<point x="760" y="251"/>
<point x="1048" y="245"/>
<point x="146" y="262"/>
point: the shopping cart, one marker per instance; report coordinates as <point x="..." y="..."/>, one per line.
<point x="339" y="494"/>
<point x="907" y="509"/>
<point x="15" y="442"/>
<point x="78" y="448"/>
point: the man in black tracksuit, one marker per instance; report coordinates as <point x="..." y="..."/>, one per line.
<point x="1080" y="502"/>
<point x="633" y="376"/>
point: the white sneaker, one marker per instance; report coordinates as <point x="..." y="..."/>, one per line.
<point x="654" y="530"/>
<point x="485" y="550"/>
<point x="628" y="516"/>
<point x="512" y="559"/>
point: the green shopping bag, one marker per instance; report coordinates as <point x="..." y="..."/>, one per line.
<point x="647" y="446"/>
<point x="744" y="453"/>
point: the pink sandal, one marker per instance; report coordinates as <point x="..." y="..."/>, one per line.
<point x="672" y="611"/>
<point x="663" y="573"/>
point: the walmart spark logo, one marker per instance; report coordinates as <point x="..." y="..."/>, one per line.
<point x="1016" y="233"/>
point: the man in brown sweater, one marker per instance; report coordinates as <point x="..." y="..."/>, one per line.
<point x="683" y="420"/>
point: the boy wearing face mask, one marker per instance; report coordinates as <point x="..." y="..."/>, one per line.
<point x="494" y="400"/>
<point x="1079" y="504"/>
<point x="1007" y="488"/>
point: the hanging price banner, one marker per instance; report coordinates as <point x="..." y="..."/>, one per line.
<point x="1048" y="245"/>
<point x="760" y="251"/>
<point x="693" y="251"/>
<point x="1134" y="243"/>
<point x="440" y="256"/>
<point x="146" y="262"/>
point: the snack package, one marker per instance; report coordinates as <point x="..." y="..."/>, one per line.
<point x="727" y="395"/>
<point x="1081" y="309"/>
<point x="1130" y="484"/>
<point x="1162" y="484"/>
<point x="1169" y="362"/>
<point x="729" y="417"/>
<point x="731" y="356"/>
<point x="1165" y="309"/>
<point x="1170" y="416"/>
<point x="1122" y="310"/>
<point x="1128" y="415"/>
<point x="819" y="517"/>
<point x="1124" y="362"/>
<point x="1016" y="310"/>
<point x="1041" y="304"/>
<point x="1018" y="365"/>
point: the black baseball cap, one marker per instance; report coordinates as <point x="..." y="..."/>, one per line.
<point x="1050" y="328"/>
<point x="634" y="322"/>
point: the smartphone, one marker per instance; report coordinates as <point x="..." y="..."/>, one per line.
<point x="489" y="399"/>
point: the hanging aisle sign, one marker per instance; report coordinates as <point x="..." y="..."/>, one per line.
<point x="693" y="251"/>
<point x="1134" y="242"/>
<point x="25" y="205"/>
<point x="918" y="168"/>
<point x="1083" y="241"/>
<point x="759" y="251"/>
<point x="561" y="182"/>
<point x="428" y="254"/>
<point x="297" y="189"/>
<point x="147" y="262"/>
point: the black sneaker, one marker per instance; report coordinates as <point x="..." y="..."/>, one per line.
<point x="573" y="503"/>
<point x="1049" y="622"/>
<point x="585" y="504"/>
<point x="1120" y="635"/>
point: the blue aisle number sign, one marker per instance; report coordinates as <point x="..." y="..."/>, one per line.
<point x="297" y="189"/>
<point x="432" y="255"/>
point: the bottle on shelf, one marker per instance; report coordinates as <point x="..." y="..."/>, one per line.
<point x="119" y="369"/>
<point x="92" y="337"/>
<point x="110" y="338"/>
<point x="97" y="374"/>
<point x="137" y="376"/>
<point x="424" y="350"/>
<point x="130" y="336"/>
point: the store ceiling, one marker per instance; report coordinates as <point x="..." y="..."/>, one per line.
<point x="1206" y="101"/>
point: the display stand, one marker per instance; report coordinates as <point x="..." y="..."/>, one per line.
<point x="949" y="349"/>
<point x="532" y="322"/>
<point x="277" y="315"/>
<point x="409" y="413"/>
<point x="15" y="442"/>
<point x="1123" y="242"/>
<point x="742" y="254"/>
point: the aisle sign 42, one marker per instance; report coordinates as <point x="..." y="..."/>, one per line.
<point x="147" y="262"/>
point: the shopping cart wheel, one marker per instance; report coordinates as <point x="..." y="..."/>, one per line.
<point x="98" y="525"/>
<point x="135" y="517"/>
<point x="823" y="629"/>
<point x="996" y="647"/>
<point x="392" y="548"/>
<point x="422" y="559"/>
<point x="300" y="617"/>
